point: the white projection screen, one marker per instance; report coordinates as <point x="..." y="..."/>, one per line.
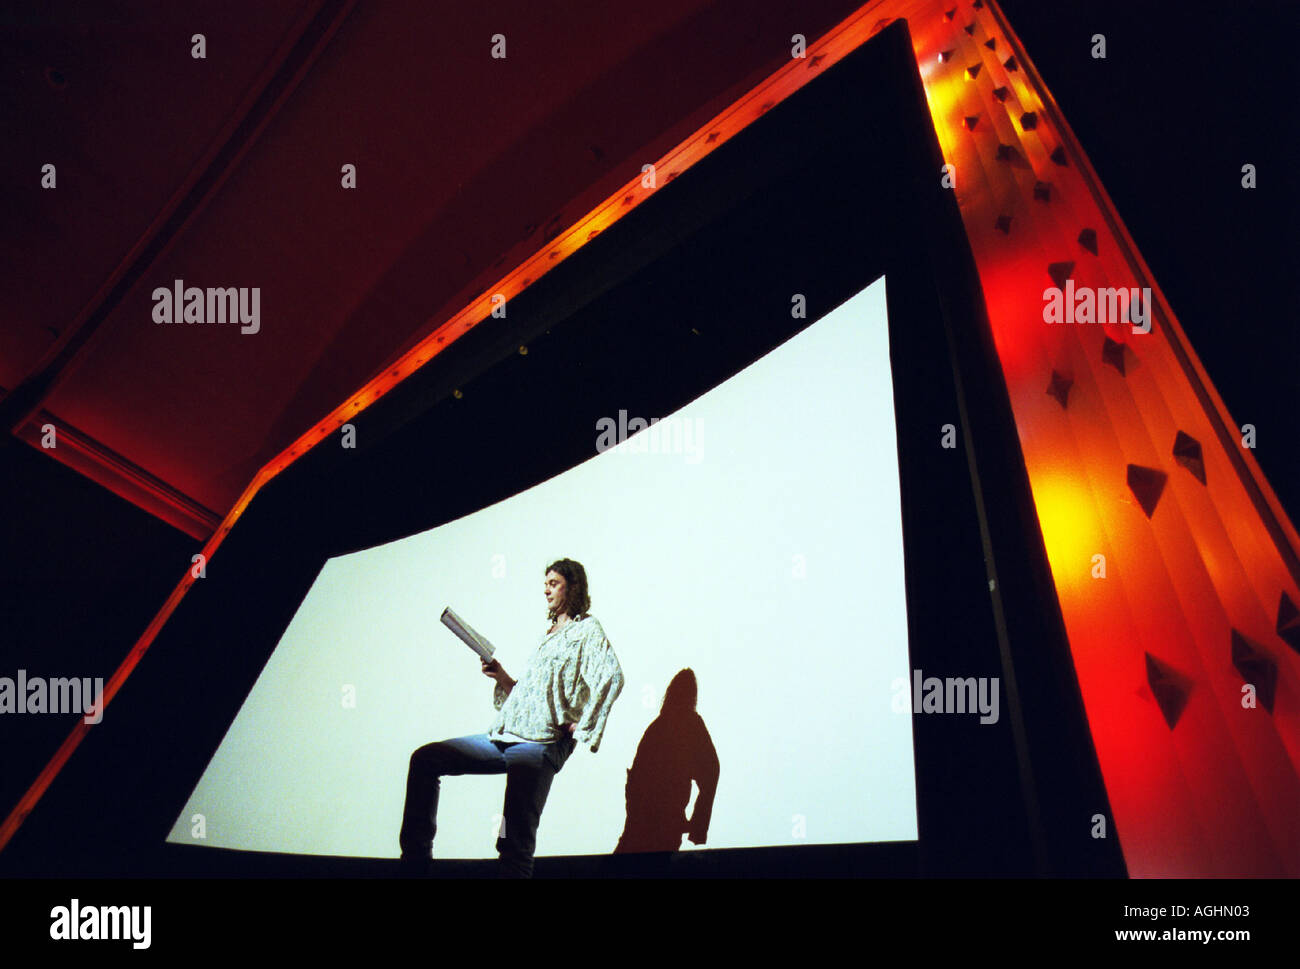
<point x="759" y="544"/>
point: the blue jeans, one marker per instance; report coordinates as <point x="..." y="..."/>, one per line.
<point x="529" y="770"/>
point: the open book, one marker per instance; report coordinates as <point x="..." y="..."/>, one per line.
<point x="467" y="635"/>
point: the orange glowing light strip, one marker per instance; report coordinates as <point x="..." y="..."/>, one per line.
<point x="1287" y="539"/>
<point x="837" y="43"/>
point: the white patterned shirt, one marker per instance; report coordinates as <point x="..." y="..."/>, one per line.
<point x="573" y="677"/>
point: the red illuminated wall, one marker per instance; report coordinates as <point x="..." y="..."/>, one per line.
<point x="1132" y="457"/>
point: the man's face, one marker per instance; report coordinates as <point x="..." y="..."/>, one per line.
<point x="556" y="589"/>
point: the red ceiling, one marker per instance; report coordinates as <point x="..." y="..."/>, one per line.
<point x="465" y="164"/>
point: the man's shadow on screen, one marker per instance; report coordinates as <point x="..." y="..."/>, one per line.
<point x="675" y="750"/>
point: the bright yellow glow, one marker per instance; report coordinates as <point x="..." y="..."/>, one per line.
<point x="1068" y="519"/>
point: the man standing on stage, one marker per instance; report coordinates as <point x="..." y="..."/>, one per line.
<point x="564" y="696"/>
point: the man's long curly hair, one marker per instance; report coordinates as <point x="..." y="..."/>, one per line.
<point x="577" y="600"/>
